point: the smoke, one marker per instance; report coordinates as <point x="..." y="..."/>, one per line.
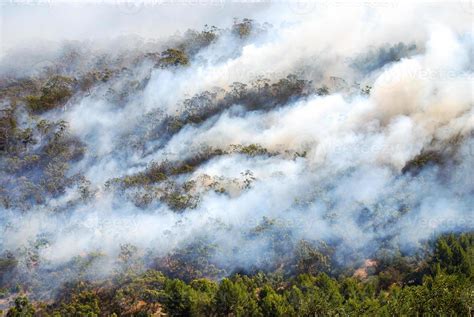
<point x="348" y="168"/>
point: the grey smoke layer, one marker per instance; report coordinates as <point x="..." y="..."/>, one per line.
<point x="339" y="167"/>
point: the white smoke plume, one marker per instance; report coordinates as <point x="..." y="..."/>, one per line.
<point x="336" y="167"/>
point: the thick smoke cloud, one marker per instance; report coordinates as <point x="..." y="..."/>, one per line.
<point x="352" y="187"/>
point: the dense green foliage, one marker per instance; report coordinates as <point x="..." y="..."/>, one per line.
<point x="445" y="288"/>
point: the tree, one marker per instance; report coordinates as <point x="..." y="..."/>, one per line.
<point x="173" y="57"/>
<point x="55" y="92"/>
<point x="272" y="304"/>
<point x="242" y="28"/>
<point x="202" y="295"/>
<point x="86" y="303"/>
<point x="233" y="298"/>
<point x="22" y="308"/>
<point x="176" y="298"/>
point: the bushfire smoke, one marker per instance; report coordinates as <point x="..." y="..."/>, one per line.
<point x="342" y="124"/>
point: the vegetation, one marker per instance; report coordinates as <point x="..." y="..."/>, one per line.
<point x="42" y="161"/>
<point x="445" y="289"/>
<point x="422" y="159"/>
<point x="36" y="160"/>
<point x="173" y="57"/>
<point x="22" y="308"/>
<point x="246" y="27"/>
<point x="55" y="92"/>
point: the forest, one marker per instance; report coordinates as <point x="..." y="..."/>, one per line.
<point x="253" y="169"/>
<point x="440" y="284"/>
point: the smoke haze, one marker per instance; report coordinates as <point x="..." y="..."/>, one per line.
<point x="387" y="168"/>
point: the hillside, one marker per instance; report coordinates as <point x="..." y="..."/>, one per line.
<point x="315" y="166"/>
